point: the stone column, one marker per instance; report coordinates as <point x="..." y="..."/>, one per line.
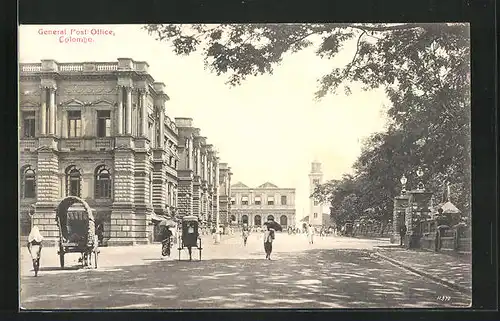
<point x="190" y="155"/>
<point x="175" y="195"/>
<point x="144" y="114"/>
<point x="52" y="111"/>
<point x="43" y="111"/>
<point x="161" y="143"/>
<point x="216" y="200"/>
<point x="128" y="116"/>
<point x="119" y="112"/>
<point x="205" y="166"/>
<point x="64" y="124"/>
<point x="169" y="194"/>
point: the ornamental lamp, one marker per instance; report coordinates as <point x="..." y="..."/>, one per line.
<point x="420" y="173"/>
<point x="403" y="181"/>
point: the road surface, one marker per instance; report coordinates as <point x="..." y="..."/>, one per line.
<point x="335" y="272"/>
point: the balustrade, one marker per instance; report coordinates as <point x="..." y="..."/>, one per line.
<point x="31" y="67"/>
<point x="75" y="67"/>
<point x="70" y="67"/>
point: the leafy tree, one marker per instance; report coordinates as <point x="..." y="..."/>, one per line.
<point x="397" y="56"/>
<point x="424" y="69"/>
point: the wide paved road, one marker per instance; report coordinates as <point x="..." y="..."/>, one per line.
<point x="335" y="272"/>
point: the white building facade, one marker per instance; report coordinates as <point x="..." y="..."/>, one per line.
<point x="254" y="206"/>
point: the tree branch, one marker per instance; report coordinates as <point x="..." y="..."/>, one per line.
<point x="349" y="66"/>
<point x="405" y="26"/>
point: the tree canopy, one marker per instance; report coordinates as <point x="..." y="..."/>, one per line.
<point x="423" y="68"/>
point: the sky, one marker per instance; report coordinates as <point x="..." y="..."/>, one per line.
<point x="269" y="128"/>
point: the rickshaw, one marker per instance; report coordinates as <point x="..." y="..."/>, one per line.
<point x="77" y="231"/>
<point x="348" y="229"/>
<point x="189" y="236"/>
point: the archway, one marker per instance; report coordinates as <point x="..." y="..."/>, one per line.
<point x="244" y="219"/>
<point x="233" y="218"/>
<point x="257" y="221"/>
<point x="270" y="218"/>
<point x="283" y="220"/>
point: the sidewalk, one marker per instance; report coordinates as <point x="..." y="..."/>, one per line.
<point x="451" y="269"/>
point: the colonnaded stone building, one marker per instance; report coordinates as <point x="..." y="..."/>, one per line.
<point x="254" y="206"/>
<point x="100" y="131"/>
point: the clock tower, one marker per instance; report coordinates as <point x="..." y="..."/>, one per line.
<point x="315" y="207"/>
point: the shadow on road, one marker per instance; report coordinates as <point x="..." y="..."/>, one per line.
<point x="58" y="268"/>
<point x="314" y="279"/>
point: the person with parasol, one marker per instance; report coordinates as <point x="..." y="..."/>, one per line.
<point x="166" y="236"/>
<point x="35" y="247"/>
<point x="269" y="234"/>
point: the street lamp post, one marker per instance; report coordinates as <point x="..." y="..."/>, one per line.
<point x="420" y="173"/>
<point x="419" y="202"/>
<point x="403" y="181"/>
<point x="399" y="211"/>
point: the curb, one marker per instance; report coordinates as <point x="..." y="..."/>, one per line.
<point x="445" y="282"/>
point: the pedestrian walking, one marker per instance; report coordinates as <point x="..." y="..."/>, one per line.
<point x="245" y="232"/>
<point x="268" y="242"/>
<point x="310" y="234"/>
<point x="402" y="233"/>
<point x="99" y="231"/>
<point x="166" y="241"/>
<point x="35" y="247"/>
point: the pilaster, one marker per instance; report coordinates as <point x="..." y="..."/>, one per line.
<point x="122" y="211"/>
<point x="47" y="171"/>
<point x="185" y="193"/>
<point x="197" y="196"/>
<point x="160" y="195"/>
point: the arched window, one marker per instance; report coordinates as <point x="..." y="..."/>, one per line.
<point x="283" y="220"/>
<point x="257" y="220"/>
<point x="244" y="219"/>
<point x="73" y="181"/>
<point x="233" y="218"/>
<point x="102" y="182"/>
<point x="28" y="183"/>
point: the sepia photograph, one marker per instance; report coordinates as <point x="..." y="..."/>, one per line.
<point x="244" y="166"/>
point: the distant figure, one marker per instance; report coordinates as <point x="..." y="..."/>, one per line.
<point x="100" y="233"/>
<point x="310" y="234"/>
<point x="35" y="247"/>
<point x="402" y="233"/>
<point x="268" y="242"/>
<point x="244" y="234"/>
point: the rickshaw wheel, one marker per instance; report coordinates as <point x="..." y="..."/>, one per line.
<point x="61" y="259"/>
